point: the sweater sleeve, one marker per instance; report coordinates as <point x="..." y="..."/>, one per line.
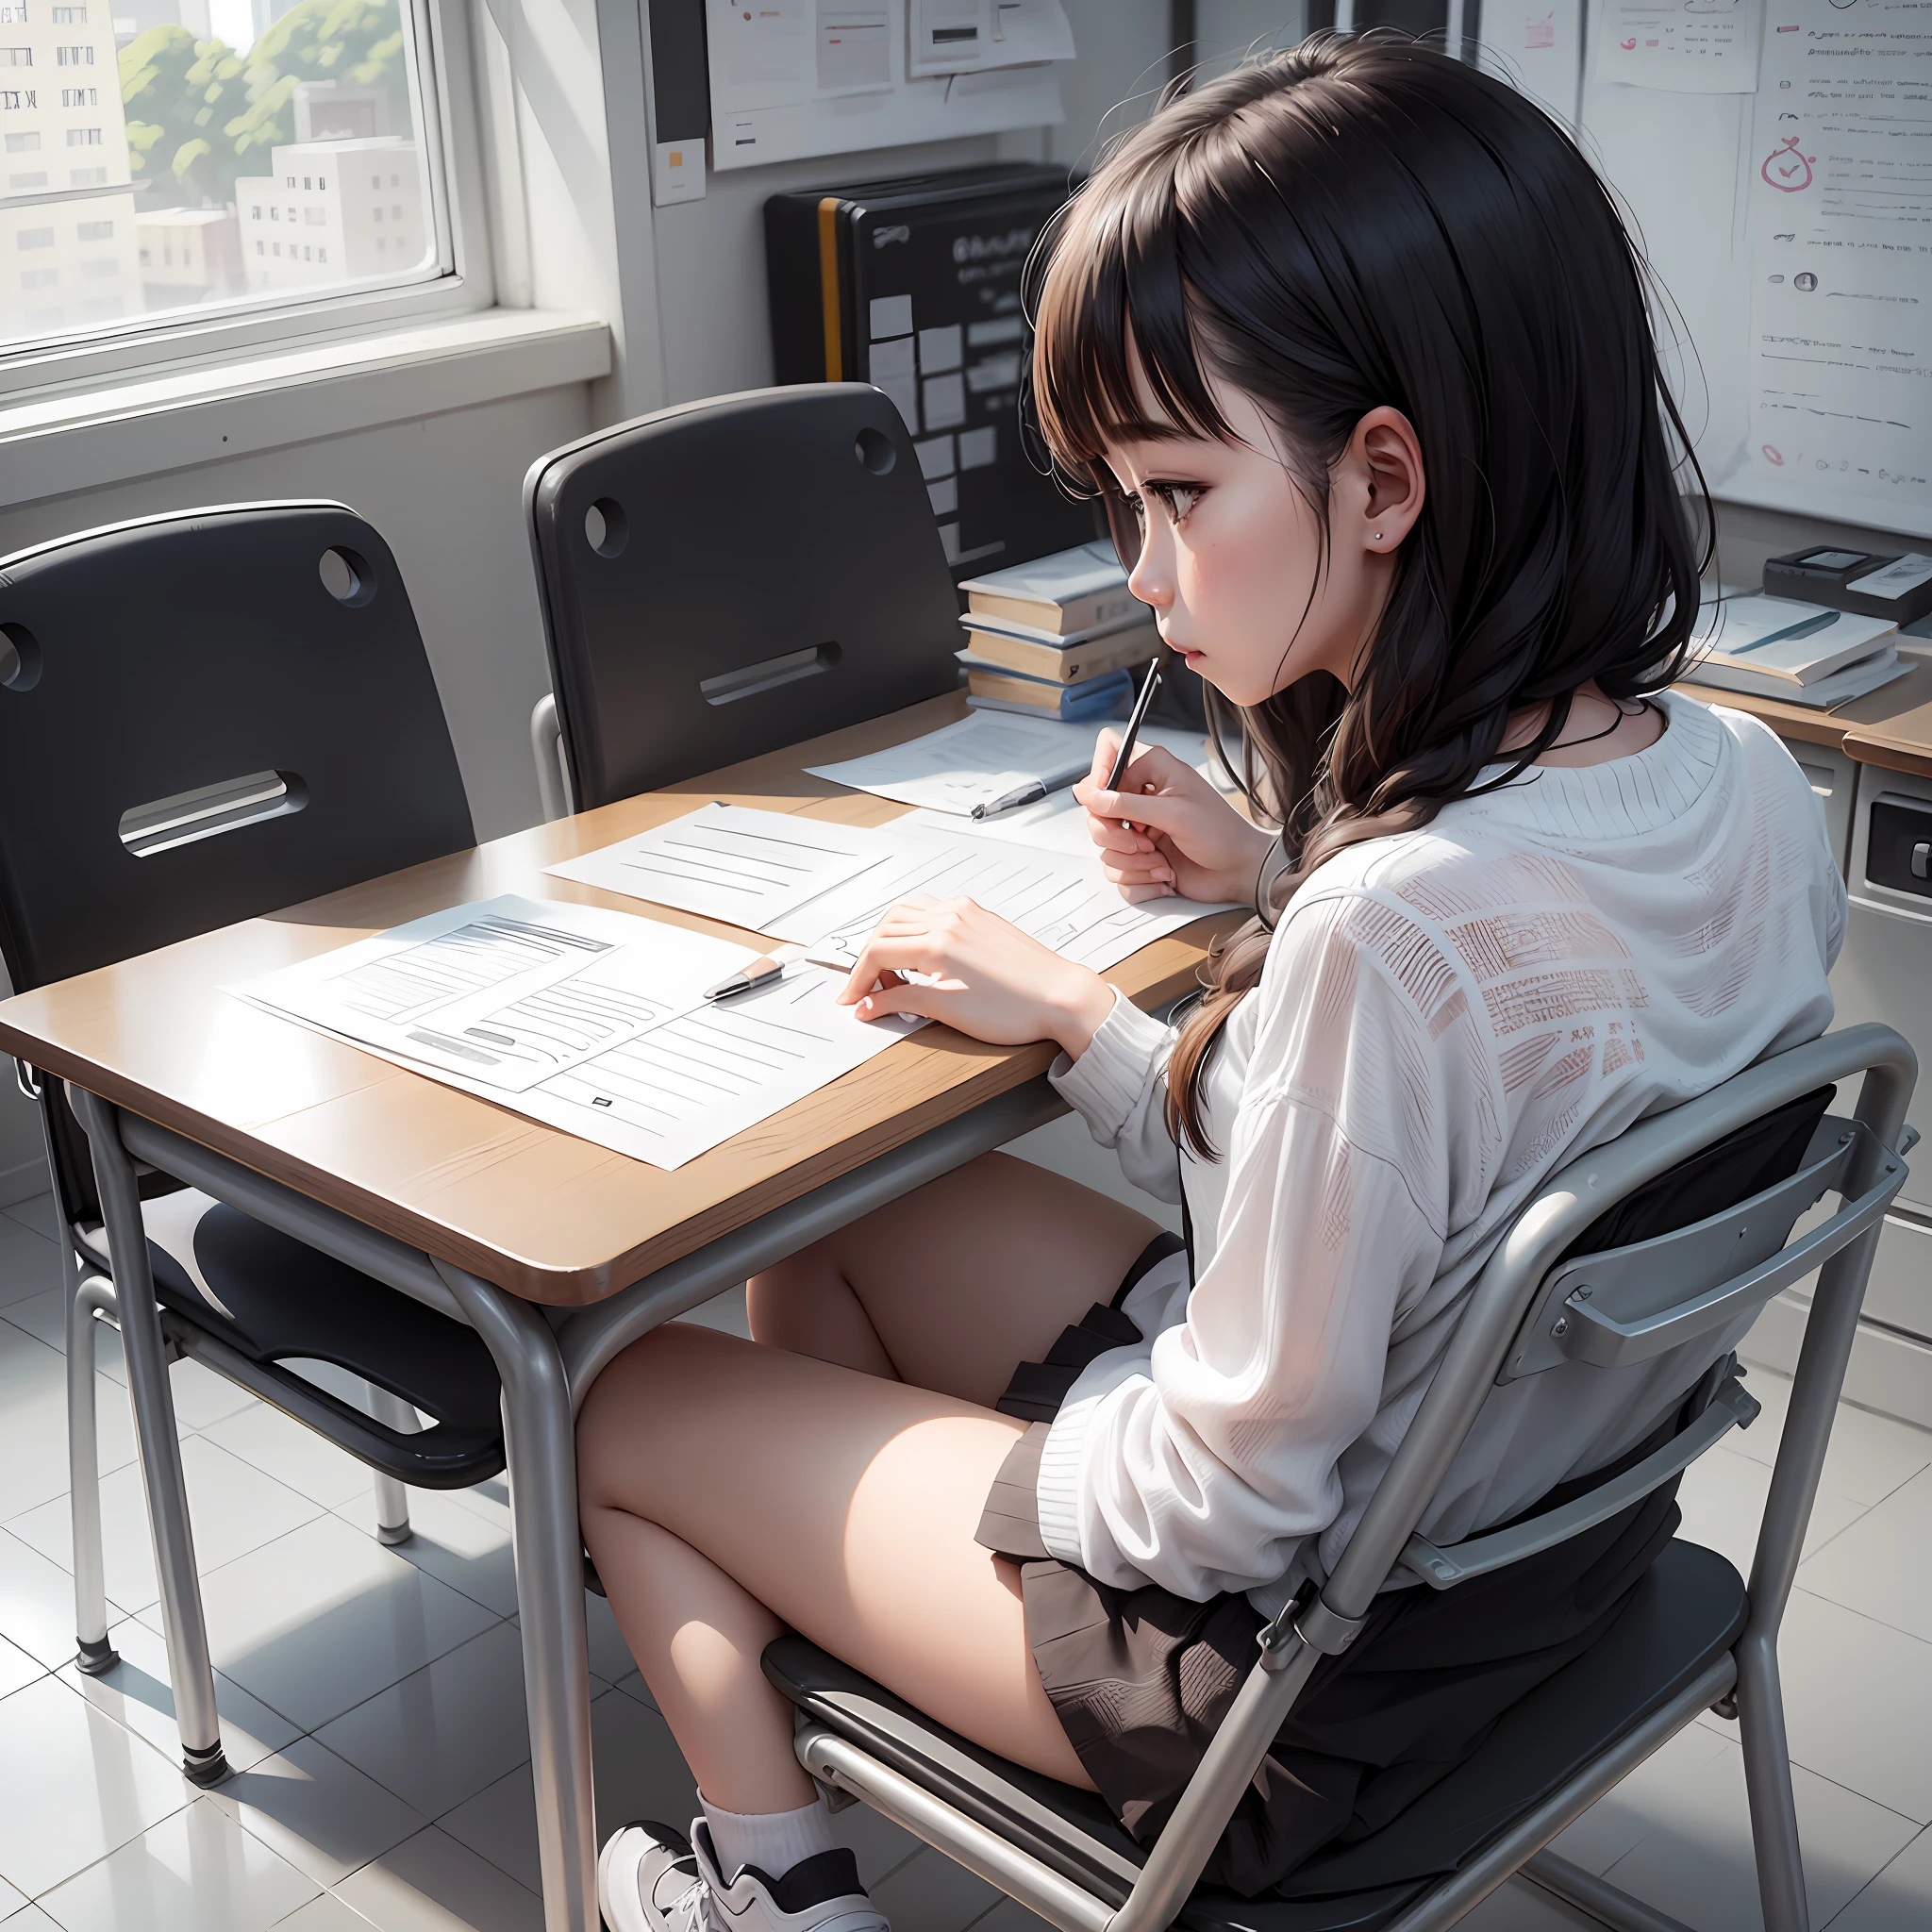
<point x="1200" y="1463"/>
<point x="1119" y="1085"/>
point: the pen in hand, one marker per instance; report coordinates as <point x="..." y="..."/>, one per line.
<point x="1136" y="719"/>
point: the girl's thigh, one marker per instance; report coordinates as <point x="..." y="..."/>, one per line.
<point x="846" y="1504"/>
<point x="961" y="1278"/>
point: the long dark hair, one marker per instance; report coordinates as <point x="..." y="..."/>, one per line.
<point x="1362" y="222"/>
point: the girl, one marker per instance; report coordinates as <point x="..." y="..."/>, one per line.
<point x="1356" y="351"/>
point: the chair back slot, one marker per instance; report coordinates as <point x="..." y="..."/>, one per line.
<point x="209" y="811"/>
<point x="1629" y="1303"/>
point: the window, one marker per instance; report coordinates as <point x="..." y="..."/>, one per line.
<point x="104" y="268"/>
<point x="379" y="214"/>
<point x="38" y="277"/>
<point x="199" y="154"/>
<point x="36" y="238"/>
<point x="94" y="231"/>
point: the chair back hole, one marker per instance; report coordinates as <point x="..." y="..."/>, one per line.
<point x="347" y="576"/>
<point x="211" y="810"/>
<point x="20" y="658"/>
<point x="768" y="674"/>
<point x="606" y="529"/>
<point x="873" y="449"/>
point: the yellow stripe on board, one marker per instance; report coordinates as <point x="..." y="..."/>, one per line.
<point x="828" y="286"/>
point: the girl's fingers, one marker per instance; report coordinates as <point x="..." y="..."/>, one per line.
<point x="900" y="997"/>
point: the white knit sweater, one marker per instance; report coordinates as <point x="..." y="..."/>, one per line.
<point x="1446" y="1016"/>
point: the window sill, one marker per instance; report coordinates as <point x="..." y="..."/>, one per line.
<point x="170" y="418"/>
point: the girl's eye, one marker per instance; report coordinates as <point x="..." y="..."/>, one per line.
<point x="1177" y="499"/>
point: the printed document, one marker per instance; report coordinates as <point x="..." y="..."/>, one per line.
<point x="1059" y="898"/>
<point x="974" y="762"/>
<point x="747" y="868"/>
<point x="590" y="1021"/>
<point x="1839" y="214"/>
<point x="1680" y="47"/>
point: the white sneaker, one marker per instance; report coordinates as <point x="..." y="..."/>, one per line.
<point x="650" y="1879"/>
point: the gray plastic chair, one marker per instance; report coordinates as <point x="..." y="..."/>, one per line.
<point x="1692" y="1636"/>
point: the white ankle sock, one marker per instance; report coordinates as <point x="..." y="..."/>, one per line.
<point x="772" y="1840"/>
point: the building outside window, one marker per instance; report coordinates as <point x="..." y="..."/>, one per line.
<point x="215" y="107"/>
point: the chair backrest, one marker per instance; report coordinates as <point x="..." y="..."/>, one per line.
<point x="730" y="577"/>
<point x="1676" y="1230"/>
<point x="206" y="716"/>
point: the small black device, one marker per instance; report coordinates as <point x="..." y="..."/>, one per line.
<point x="912" y="284"/>
<point x="1871" y="583"/>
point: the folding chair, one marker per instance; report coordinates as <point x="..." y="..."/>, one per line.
<point x="204" y="717"/>
<point x="730" y="577"/>
<point x="1623" y="1255"/>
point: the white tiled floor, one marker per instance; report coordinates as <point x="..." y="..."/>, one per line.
<point x="373" y="1698"/>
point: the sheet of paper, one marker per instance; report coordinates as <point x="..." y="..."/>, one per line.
<point x="609" y="1006"/>
<point x="1839" y="214"/>
<point x="747" y="868"/>
<point x="1680" y="47"/>
<point x="972" y="762"/>
<point x="507" y="992"/>
<point x="1057" y="823"/>
<point x="1062" y="902"/>
<point x="673" y="1093"/>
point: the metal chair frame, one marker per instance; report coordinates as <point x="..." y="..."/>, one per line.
<point x="1507" y="1329"/>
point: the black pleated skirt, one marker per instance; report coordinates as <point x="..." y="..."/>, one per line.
<point x="1141" y="1678"/>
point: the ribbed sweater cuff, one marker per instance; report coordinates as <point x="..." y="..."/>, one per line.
<point x="1057" y="1494"/>
<point x="1106" y="1081"/>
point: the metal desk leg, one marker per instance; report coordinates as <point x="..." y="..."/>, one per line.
<point x="182" y="1623"/>
<point x="540" y="1445"/>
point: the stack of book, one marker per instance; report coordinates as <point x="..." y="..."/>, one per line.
<point x="1802" y="653"/>
<point x="1059" y="637"/>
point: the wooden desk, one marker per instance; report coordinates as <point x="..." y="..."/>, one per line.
<point x="537" y="1211"/>
<point x="481" y="1212"/>
<point x="1891" y="728"/>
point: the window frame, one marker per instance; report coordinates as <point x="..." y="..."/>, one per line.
<point x="458" y="211"/>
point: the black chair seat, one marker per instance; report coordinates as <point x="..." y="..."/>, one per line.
<point x="271" y="1299"/>
<point x="1688" y="1613"/>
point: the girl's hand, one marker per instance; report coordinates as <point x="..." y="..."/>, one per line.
<point x="1179" y="834"/>
<point x="983" y="975"/>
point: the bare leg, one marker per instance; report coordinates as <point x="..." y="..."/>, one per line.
<point x="952" y="1285"/>
<point x="728" y="1487"/>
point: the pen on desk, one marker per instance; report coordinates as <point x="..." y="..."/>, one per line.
<point x="759" y="972"/>
<point x="1135" y="721"/>
<point x="1029" y="793"/>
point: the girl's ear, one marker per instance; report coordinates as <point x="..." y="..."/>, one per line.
<point x="1385" y="466"/>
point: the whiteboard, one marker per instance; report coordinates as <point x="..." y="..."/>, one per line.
<point x="1790" y="230"/>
